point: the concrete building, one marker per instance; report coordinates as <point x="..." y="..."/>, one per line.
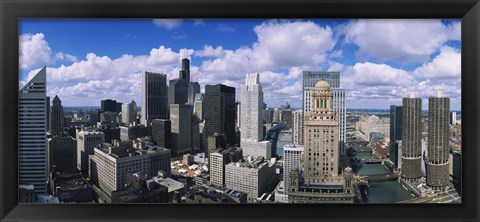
<point x="57" y="117"/>
<point x="139" y="189"/>
<point x="181" y="128"/>
<point x="396" y="121"/>
<point x="129" y="113"/>
<point x="110" y="164"/>
<point x="252" y="176"/>
<point x="219" y="115"/>
<point x="251" y="133"/>
<point x="154" y="97"/>
<point x="291" y="158"/>
<point x="161" y="130"/>
<point x="32" y="129"/>
<point x="94" y="117"/>
<point x="438" y="141"/>
<point x="320" y="180"/>
<point x="297" y="129"/>
<point x="182" y="90"/>
<point x="217" y="162"/>
<point x="267" y="116"/>
<point x="411" y="138"/>
<point x="62" y="154"/>
<point x="86" y="142"/>
<point x="339" y="102"/>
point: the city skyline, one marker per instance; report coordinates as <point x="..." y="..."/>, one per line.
<point x="361" y="50"/>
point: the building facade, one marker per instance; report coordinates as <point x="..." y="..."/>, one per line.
<point x="62" y="153"/>
<point x="297" y="129"/>
<point x="181" y="128"/>
<point x="320" y="181"/>
<point x="129" y="113"/>
<point x="411" y="138"/>
<point x="109" y="165"/>
<point x="219" y="115"/>
<point x="396" y="121"/>
<point x="86" y="142"/>
<point x="292" y="158"/>
<point x="32" y="129"/>
<point x="161" y="130"/>
<point x="154" y="97"/>
<point x="252" y="177"/>
<point x="438" y="141"/>
<point x="339" y="102"/>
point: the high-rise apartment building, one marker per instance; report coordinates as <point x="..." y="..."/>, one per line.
<point x="57" y="117"/>
<point x="438" y="141"/>
<point x="412" y="138"/>
<point x="86" y="142"/>
<point x="297" y="129"/>
<point x="219" y="115"/>
<point x="154" y="97"/>
<point x="129" y="112"/>
<point x="396" y="121"/>
<point x="181" y="126"/>
<point x="32" y="129"/>
<point x="339" y="100"/>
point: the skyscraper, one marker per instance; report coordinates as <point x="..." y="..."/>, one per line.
<point x="321" y="135"/>
<point x="292" y="156"/>
<point x="438" y="141"/>
<point x="339" y="106"/>
<point x="396" y="121"/>
<point x="321" y="174"/>
<point x="251" y="96"/>
<point x="181" y="126"/>
<point x="181" y="90"/>
<point x="57" y="117"/>
<point x="129" y="112"/>
<point x="219" y="115"/>
<point x="32" y="129"/>
<point x="154" y="97"/>
<point x="251" y="118"/>
<point x="62" y="153"/>
<point x="411" y="138"/>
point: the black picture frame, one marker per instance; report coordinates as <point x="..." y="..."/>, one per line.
<point x="12" y="10"/>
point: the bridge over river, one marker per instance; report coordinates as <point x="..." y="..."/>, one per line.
<point x="381" y="177"/>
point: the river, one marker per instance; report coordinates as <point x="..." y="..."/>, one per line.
<point x="381" y="192"/>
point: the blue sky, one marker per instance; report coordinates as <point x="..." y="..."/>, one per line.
<point x="380" y="61"/>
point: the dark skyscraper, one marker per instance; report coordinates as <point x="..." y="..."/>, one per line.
<point x="57" y="117"/>
<point x="178" y="88"/>
<point x="219" y="105"/>
<point x="161" y="132"/>
<point x="438" y="141"/>
<point x="111" y="105"/>
<point x="154" y="97"/>
<point x="396" y="123"/>
<point x="411" y="138"/>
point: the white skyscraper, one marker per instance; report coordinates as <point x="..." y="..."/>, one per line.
<point x="291" y="158"/>
<point x="129" y="112"/>
<point x="251" y="131"/>
<point x="32" y="128"/>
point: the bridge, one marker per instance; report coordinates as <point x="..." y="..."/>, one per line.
<point x="371" y="160"/>
<point x="364" y="150"/>
<point x="381" y="177"/>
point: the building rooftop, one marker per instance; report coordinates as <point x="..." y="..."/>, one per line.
<point x="170" y="183"/>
